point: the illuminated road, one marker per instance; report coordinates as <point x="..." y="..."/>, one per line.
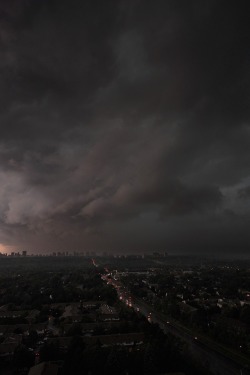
<point x="201" y="351"/>
<point x="211" y="359"/>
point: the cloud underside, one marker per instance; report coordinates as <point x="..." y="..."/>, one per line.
<point x="124" y="125"/>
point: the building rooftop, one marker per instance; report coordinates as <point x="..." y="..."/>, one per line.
<point x="44" y="368"/>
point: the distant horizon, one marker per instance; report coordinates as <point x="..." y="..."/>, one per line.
<point x="100" y="253"/>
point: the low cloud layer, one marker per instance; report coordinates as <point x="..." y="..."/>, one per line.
<point x="124" y="126"/>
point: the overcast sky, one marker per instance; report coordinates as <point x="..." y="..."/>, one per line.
<point x="125" y="125"/>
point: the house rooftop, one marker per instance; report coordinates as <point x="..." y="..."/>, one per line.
<point x="44" y="368"/>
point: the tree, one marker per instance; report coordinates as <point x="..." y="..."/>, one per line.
<point x="245" y="314"/>
<point x="149" y="364"/>
<point x="23" y="358"/>
<point x="32" y="338"/>
<point x="75" y="330"/>
<point x="50" y="352"/>
<point x="75" y="361"/>
<point x="113" y="364"/>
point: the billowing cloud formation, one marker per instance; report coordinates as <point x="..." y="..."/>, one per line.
<point x="124" y="125"/>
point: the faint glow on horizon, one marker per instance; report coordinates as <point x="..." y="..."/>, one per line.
<point x="6" y="249"/>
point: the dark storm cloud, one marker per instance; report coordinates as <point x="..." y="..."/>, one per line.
<point x="244" y="193"/>
<point x="124" y="120"/>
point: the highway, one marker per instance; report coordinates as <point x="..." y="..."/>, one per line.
<point x="210" y="358"/>
<point x="199" y="348"/>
